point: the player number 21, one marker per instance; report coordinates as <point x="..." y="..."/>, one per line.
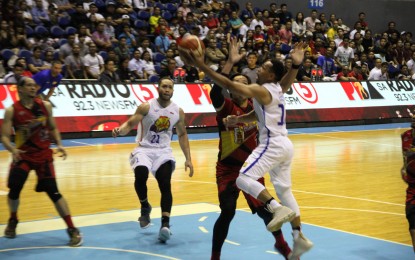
<point x="155" y="139"/>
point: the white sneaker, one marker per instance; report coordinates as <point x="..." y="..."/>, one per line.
<point x="301" y="245"/>
<point x="280" y="216"/>
<point x="164" y="234"/>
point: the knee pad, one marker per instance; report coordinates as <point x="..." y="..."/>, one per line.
<point x="249" y="185"/>
<point x="17" y="178"/>
<point x="50" y="187"/>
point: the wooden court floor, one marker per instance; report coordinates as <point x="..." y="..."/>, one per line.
<point x="349" y="181"/>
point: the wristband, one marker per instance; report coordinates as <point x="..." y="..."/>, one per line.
<point x="296" y="67"/>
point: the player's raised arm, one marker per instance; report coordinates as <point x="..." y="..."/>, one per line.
<point x="133" y="121"/>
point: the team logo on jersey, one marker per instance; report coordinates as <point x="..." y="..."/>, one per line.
<point x="161" y="124"/>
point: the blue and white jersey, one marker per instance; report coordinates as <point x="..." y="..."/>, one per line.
<point x="156" y="128"/>
<point x="271" y="117"/>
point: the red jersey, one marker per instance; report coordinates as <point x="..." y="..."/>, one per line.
<point x="408" y="152"/>
<point x="32" y="131"/>
<point x="231" y="151"/>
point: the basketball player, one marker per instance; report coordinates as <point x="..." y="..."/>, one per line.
<point x="275" y="151"/>
<point x="408" y="175"/>
<point x="235" y="145"/>
<point x="33" y="123"/>
<point x="155" y="120"/>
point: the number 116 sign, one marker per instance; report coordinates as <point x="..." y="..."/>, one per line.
<point x="315" y="4"/>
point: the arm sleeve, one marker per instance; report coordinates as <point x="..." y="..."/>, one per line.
<point x="216" y="96"/>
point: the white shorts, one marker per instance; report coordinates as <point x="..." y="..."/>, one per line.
<point x="273" y="157"/>
<point x="152" y="158"/>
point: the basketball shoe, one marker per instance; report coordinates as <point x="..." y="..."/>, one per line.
<point x="301" y="245"/>
<point x="75" y="237"/>
<point x="10" y="231"/>
<point x="144" y="219"/>
<point x="280" y="216"/>
<point x="164" y="233"/>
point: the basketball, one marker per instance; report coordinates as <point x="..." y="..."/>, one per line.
<point x="193" y="43"/>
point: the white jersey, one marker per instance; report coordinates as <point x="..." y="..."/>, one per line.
<point x="156" y="128"/>
<point x="271" y="117"/>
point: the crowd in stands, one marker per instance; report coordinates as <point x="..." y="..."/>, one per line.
<point x="129" y="40"/>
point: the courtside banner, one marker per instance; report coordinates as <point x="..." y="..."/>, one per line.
<point x="81" y="107"/>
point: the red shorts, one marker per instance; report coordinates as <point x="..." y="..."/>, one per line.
<point x="225" y="180"/>
<point x="44" y="170"/>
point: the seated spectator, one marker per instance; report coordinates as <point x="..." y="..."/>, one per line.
<point x="154" y="19"/>
<point x="286" y="34"/>
<point x="83" y="32"/>
<point x="109" y="76"/>
<point x="169" y="70"/>
<point x="36" y="63"/>
<point x="74" y="63"/>
<point x="304" y="74"/>
<point x="40" y="14"/>
<point x="135" y="65"/>
<point x="145" y="46"/>
<point x="212" y="22"/>
<point x="344" y="54"/>
<point x="93" y="62"/>
<point x="380" y="71"/>
<point x="343" y="75"/>
<point x="251" y="69"/>
<point x="327" y="64"/>
<point x="20" y="41"/>
<point x="356" y="73"/>
<point x="162" y="41"/>
<point x="48" y="57"/>
<point x="79" y="17"/>
<point x="14" y="75"/>
<point x="101" y="40"/>
<point x="26" y="72"/>
<point x="131" y="41"/>
<point x="148" y="65"/>
<point x="299" y="27"/>
<point x="122" y="50"/>
<point x="404" y="73"/>
<point x="213" y="55"/>
<point x="123" y="71"/>
<point x="365" y="71"/>
<point x="66" y="49"/>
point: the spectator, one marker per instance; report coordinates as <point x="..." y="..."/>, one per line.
<point x="340" y="37"/>
<point x="404" y="73"/>
<point x="299" y="27"/>
<point x="148" y="65"/>
<point x="332" y="31"/>
<point x="345" y="28"/>
<point x="327" y="64"/>
<point x="204" y="29"/>
<point x="380" y="71"/>
<point x="93" y="62"/>
<point x="109" y="76"/>
<point x="109" y="29"/>
<point x="162" y="41"/>
<point x="123" y="71"/>
<point x="251" y="69"/>
<point x="357" y="29"/>
<point x="14" y="75"/>
<point x="286" y="34"/>
<point x="365" y="71"/>
<point x="74" y="63"/>
<point x="248" y="12"/>
<point x="102" y="41"/>
<point x="212" y="21"/>
<point x="192" y="74"/>
<point x="79" y="17"/>
<point x="49" y="79"/>
<point x="344" y="54"/>
<point x="356" y="73"/>
<point x="257" y="20"/>
<point x="131" y="41"/>
<point x="343" y="75"/>
<point x="26" y="72"/>
<point x="135" y="65"/>
<point x="184" y="7"/>
<point x="169" y="70"/>
<point x="213" y="55"/>
<point x="363" y="23"/>
<point x="154" y="19"/>
<point x="36" y="63"/>
<point x="284" y="15"/>
<point x="40" y="14"/>
<point x="235" y="22"/>
<point x="122" y="50"/>
<point x="304" y="74"/>
<point x="411" y="64"/>
<point x="20" y="40"/>
<point x="66" y="49"/>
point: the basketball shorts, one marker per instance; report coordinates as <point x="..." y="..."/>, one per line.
<point x="152" y="158"/>
<point x="44" y="170"/>
<point x="275" y="157"/>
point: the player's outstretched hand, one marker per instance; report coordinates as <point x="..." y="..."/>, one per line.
<point x="188" y="164"/>
<point x="115" y="132"/>
<point x="61" y="152"/>
<point x="297" y="52"/>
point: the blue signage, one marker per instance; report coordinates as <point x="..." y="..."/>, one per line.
<point x="315" y="4"/>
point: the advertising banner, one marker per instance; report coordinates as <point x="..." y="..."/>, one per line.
<point x="81" y="107"/>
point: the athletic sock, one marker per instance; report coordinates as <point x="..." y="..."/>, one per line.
<point x="68" y="221"/>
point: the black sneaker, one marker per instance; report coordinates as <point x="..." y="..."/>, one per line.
<point x="10" y="231"/>
<point x="75" y="237"/>
<point x="144" y="219"/>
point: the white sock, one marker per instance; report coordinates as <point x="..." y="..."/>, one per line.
<point x="296" y="233"/>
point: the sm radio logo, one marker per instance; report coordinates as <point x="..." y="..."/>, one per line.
<point x="357" y="91"/>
